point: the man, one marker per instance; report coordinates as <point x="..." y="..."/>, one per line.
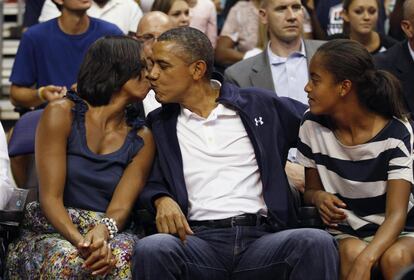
<point x="50" y="54"/>
<point x="399" y="59"/>
<point x="123" y="13"/>
<point x="150" y="27"/>
<point x="282" y="66"/>
<point x="218" y="181"/>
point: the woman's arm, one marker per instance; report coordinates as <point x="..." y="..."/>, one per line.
<point x="132" y="181"/>
<point x="398" y="193"/>
<point x="50" y="153"/>
<point x="99" y="260"/>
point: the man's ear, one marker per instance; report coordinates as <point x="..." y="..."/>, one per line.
<point x="262" y="16"/>
<point x="198" y="69"/>
<point x="408" y="28"/>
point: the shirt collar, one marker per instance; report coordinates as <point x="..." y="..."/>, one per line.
<point x="411" y="50"/>
<point x="274" y="59"/>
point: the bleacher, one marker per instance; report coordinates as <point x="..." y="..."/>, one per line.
<point x="11" y="14"/>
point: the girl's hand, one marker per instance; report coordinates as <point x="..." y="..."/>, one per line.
<point x="330" y="208"/>
<point x="361" y="269"/>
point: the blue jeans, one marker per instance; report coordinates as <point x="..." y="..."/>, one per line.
<point x="240" y="252"/>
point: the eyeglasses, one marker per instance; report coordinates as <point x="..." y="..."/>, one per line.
<point x="146" y="38"/>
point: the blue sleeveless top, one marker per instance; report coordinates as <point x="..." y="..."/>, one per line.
<point x="91" y="178"/>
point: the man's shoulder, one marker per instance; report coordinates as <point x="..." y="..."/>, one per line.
<point x="311" y="46"/>
<point x="389" y="57"/>
<point x="42" y="29"/>
<point x="105" y="27"/>
<point x="243" y="67"/>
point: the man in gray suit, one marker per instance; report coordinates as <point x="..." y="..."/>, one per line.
<point x="283" y="66"/>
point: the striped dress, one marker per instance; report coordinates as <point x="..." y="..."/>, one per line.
<point x="358" y="174"/>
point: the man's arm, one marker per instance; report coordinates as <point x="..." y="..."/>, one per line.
<point x="28" y="97"/>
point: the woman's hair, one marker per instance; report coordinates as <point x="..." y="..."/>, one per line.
<point x="162" y="5"/>
<point x="109" y="63"/>
<point x="377" y="90"/>
<point x="347" y="3"/>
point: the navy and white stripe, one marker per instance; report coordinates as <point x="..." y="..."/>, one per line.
<point x="358" y="174"/>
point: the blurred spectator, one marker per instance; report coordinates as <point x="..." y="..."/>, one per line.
<point x="239" y="33"/>
<point x="204" y="18"/>
<point x="177" y="10"/>
<point x="399" y="59"/>
<point x="32" y="11"/>
<point x="50" y="53"/>
<point x="5" y="183"/>
<point x="360" y="18"/>
<point x="123" y="13"/>
<point x="396" y="15"/>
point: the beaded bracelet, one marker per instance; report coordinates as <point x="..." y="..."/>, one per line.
<point x="111" y="226"/>
<point x="39" y="94"/>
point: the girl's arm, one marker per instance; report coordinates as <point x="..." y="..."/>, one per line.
<point x="398" y="193"/>
<point x="329" y="205"/>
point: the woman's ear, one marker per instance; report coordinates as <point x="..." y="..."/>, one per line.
<point x="344" y="15"/>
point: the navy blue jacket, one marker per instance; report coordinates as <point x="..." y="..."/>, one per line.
<point x="271" y="122"/>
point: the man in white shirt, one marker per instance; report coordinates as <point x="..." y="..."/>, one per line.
<point x="283" y="66"/>
<point x="123" y="13"/>
<point x="218" y="188"/>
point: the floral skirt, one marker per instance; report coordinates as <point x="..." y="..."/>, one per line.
<point x="42" y="253"/>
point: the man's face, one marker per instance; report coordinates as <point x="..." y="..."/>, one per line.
<point x="148" y="33"/>
<point x="75" y="5"/>
<point x="284" y="19"/>
<point x="170" y="76"/>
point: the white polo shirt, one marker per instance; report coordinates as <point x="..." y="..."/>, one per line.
<point x="123" y="13"/>
<point x="220" y="168"/>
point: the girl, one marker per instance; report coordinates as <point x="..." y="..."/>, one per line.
<point x="356" y="144"/>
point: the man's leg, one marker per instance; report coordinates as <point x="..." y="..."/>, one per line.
<point x="164" y="256"/>
<point x="290" y="254"/>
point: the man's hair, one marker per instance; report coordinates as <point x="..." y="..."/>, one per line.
<point x="193" y="44"/>
<point x="408" y="10"/>
<point x="58" y="5"/>
<point x="109" y="63"/>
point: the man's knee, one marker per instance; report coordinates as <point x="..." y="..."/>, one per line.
<point x="156" y="245"/>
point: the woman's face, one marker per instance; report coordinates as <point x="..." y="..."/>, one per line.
<point x="180" y="13"/>
<point x="324" y="93"/>
<point x="362" y="16"/>
<point x="137" y="87"/>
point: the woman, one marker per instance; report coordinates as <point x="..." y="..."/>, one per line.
<point x="360" y="20"/>
<point x="356" y="144"/>
<point x="92" y="161"/>
<point x="177" y="10"/>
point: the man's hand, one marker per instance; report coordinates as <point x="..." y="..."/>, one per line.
<point x="51" y="92"/>
<point x="170" y="218"/>
<point x="296" y="175"/>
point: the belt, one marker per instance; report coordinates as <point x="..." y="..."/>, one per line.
<point x="241" y="220"/>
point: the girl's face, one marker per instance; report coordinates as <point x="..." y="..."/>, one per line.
<point x="324" y="93"/>
<point x="180" y="13"/>
<point x="362" y="16"/>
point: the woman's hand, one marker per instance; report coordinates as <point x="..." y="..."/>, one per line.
<point x="329" y="207"/>
<point x="97" y="251"/>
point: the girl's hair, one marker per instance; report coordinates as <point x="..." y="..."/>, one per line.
<point x="109" y="63"/>
<point x="377" y="90"/>
<point x="162" y="5"/>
